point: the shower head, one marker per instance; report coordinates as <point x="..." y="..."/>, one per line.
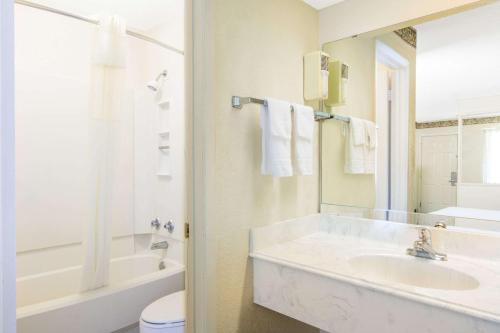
<point x="155" y="84"/>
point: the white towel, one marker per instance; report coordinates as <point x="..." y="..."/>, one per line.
<point x="360" y="147"/>
<point x="358" y="129"/>
<point x="370" y="155"/>
<point x="354" y="154"/>
<point x="303" y="139"/>
<point x="276" y="124"/>
<point x="370" y="151"/>
<point x="371" y="134"/>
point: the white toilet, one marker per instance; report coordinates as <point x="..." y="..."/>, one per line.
<point x="166" y="315"/>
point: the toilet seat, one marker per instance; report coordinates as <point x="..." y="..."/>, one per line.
<point x="145" y="324"/>
<point x="168" y="311"/>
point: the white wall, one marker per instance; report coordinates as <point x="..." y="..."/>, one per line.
<point x="457" y="60"/>
<point x="7" y="219"/>
<point x="52" y="93"/>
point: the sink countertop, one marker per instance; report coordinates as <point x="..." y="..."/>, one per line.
<point x="326" y="252"/>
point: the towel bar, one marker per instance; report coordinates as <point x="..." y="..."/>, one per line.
<point x="238" y="102"/>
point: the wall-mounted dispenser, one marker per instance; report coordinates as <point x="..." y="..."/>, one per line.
<point x="316" y="76"/>
<point x="337" y="83"/>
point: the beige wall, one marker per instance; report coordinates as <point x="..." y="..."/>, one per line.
<point x="258" y="51"/>
<point x="359" y="190"/>
<point x="354" y="17"/>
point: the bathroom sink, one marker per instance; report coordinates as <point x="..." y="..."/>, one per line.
<point x="418" y="272"/>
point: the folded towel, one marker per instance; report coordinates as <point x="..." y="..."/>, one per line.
<point x="303" y="125"/>
<point x="358" y="129"/>
<point x="360" y="153"/>
<point x="369" y="158"/>
<point x="354" y="154"/>
<point x="276" y="124"/>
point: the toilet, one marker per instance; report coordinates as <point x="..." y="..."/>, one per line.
<point x="166" y="315"/>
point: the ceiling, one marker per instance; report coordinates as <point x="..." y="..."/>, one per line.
<point x="320" y="4"/>
<point x="140" y="15"/>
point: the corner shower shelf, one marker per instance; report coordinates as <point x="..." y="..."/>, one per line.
<point x="164" y="144"/>
<point x="164" y="174"/>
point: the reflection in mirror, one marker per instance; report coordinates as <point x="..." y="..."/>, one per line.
<point x="432" y="92"/>
<point x="481" y="150"/>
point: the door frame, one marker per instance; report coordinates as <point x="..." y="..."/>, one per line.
<point x="418" y="158"/>
<point x="202" y="242"/>
<point x="400" y="112"/>
<point x="7" y="194"/>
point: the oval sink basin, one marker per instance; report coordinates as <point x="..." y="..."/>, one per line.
<point x="411" y="271"/>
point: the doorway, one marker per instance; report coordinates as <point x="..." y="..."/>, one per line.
<point x="392" y="114"/>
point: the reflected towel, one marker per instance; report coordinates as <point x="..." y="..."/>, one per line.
<point x="360" y="152"/>
<point x="358" y="131"/>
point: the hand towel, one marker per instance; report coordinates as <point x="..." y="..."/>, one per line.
<point x="354" y="153"/>
<point x="358" y="129"/>
<point x="360" y="152"/>
<point x="276" y="124"/>
<point x="303" y="139"/>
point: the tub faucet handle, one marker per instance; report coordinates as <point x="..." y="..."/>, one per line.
<point x="155" y="223"/>
<point x="169" y="226"/>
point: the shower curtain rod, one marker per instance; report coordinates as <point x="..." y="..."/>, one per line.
<point x="89" y="20"/>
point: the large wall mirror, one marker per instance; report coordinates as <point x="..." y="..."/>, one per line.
<point x="432" y="93"/>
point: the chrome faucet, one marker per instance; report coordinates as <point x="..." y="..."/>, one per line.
<point x="159" y="245"/>
<point x="423" y="247"/>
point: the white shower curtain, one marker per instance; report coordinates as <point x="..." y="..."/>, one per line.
<point x="107" y="105"/>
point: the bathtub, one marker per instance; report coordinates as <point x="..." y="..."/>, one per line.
<point x="50" y="302"/>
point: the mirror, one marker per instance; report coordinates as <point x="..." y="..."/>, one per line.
<point x="481" y="150"/>
<point x="431" y="93"/>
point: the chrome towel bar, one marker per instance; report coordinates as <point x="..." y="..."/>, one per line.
<point x="238" y="102"/>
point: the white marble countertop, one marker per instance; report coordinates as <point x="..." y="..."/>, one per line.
<point x="327" y="253"/>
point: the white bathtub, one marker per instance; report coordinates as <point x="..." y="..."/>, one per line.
<point x="50" y="302"/>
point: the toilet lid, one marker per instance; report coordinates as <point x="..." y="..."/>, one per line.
<point x="168" y="309"/>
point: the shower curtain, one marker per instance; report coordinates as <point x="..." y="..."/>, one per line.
<point x="107" y="105"/>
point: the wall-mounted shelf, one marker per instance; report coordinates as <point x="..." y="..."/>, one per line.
<point x="164" y="133"/>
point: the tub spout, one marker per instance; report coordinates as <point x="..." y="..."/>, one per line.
<point x="159" y="245"/>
